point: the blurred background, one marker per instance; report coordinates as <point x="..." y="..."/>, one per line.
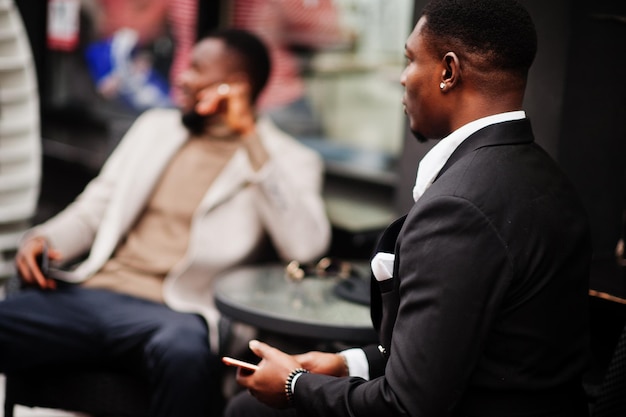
<point x="100" y="63"/>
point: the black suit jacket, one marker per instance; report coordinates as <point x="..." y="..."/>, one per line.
<point x="486" y="314"/>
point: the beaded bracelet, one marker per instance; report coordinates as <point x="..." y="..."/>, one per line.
<point x="289" y="381"/>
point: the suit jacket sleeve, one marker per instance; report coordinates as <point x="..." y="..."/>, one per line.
<point x="452" y="270"/>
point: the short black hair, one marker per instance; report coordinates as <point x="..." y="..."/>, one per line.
<point x="252" y="54"/>
<point x="501" y="31"/>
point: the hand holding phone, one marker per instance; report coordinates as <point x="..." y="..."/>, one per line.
<point x="43" y="261"/>
<point x="50" y="272"/>
<point x="241" y="364"/>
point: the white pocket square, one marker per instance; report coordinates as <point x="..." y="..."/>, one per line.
<point x="382" y="266"/>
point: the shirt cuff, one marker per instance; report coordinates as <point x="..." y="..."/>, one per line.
<point x="293" y="381"/>
<point x="357" y="363"/>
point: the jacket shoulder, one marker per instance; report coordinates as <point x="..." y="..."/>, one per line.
<point x="277" y="140"/>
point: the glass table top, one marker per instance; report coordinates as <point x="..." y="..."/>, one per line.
<point x="263" y="296"/>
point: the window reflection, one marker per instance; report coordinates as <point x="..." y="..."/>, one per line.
<point x="357" y="92"/>
<point x="292" y="30"/>
<point x="336" y="81"/>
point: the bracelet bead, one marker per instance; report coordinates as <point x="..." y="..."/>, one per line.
<point x="289" y="381"/>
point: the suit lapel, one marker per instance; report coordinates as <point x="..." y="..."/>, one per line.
<point x="386" y="243"/>
<point x="134" y="189"/>
<point x="234" y="176"/>
<point x="144" y="175"/>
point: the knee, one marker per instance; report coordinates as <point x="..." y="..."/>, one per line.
<point x="180" y="348"/>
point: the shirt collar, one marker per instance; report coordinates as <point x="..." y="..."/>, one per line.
<point x="435" y="159"/>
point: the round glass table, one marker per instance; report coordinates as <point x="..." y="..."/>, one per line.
<point x="263" y="296"/>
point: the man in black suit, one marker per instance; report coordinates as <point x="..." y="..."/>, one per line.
<point x="479" y="294"/>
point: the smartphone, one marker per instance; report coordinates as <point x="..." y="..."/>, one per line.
<point x="241" y="364"/>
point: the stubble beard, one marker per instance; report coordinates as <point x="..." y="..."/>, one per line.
<point x="420" y="138"/>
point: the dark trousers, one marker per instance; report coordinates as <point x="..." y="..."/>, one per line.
<point x="79" y="327"/>
<point x="245" y="405"/>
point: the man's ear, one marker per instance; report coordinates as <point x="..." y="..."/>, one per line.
<point x="451" y="73"/>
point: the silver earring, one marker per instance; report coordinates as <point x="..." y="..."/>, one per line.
<point x="442" y="85"/>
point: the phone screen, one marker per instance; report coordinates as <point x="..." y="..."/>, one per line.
<point x="43" y="261"/>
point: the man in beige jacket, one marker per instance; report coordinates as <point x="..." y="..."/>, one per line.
<point x="181" y="200"/>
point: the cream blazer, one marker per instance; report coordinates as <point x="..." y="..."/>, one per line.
<point x="231" y="224"/>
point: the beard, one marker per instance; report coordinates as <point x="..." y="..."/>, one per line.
<point x="194" y="122"/>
